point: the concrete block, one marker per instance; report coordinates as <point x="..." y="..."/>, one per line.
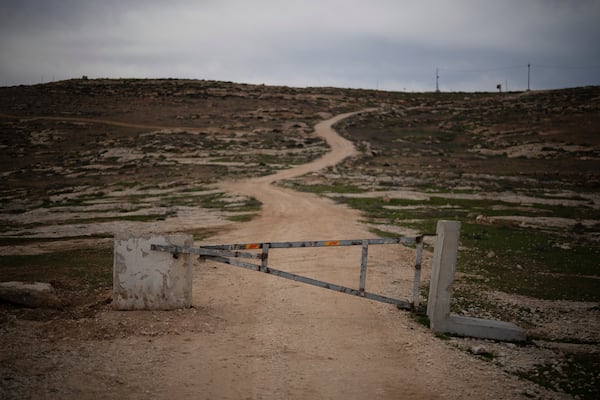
<point x="482" y="328"/>
<point x="144" y="279"/>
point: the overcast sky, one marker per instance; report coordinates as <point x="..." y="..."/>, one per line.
<point x="384" y="44"/>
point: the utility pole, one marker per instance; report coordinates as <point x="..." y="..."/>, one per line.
<point x="437" y="81"/>
<point x="528" y="77"/>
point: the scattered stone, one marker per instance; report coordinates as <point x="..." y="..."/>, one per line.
<point x="491" y="254"/>
<point x="478" y="349"/>
<point x="33" y="295"/>
<point x="482" y="219"/>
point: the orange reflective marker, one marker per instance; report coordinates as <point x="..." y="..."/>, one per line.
<point x="253" y="246"/>
<point x="332" y="243"/>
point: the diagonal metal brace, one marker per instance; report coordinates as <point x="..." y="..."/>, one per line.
<point x="405" y="305"/>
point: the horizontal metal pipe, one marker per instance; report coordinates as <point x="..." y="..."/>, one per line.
<point x="202" y="251"/>
<point x="320" y="243"/>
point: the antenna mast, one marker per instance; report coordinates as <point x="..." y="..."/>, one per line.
<point x="437" y="81"/>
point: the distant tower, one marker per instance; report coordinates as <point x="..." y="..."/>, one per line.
<point x="437" y="81"/>
<point x="528" y="77"/>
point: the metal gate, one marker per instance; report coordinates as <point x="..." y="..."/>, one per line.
<point x="233" y="253"/>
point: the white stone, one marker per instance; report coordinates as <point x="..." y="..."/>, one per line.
<point x="478" y="349"/>
<point x="36" y="294"/>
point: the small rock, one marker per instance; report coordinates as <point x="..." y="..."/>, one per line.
<point x="491" y="254"/>
<point x="558" y="369"/>
<point x="34" y="295"/>
<point x="482" y="219"/>
<point x="478" y="349"/>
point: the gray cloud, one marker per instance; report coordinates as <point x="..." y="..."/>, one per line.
<point x="390" y="44"/>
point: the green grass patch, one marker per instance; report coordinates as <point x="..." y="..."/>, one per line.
<point x="421" y="318"/>
<point x="89" y="266"/>
<point x="195" y="189"/>
<point x="134" y="218"/>
<point x="268" y="159"/>
<point x="383" y="234"/>
<point x="336" y="187"/>
<point x="126" y="184"/>
<point x="251" y="204"/>
<point x="471" y="300"/>
<point x="241" y="217"/>
<point x="203" y="233"/>
<point x="215" y="200"/>
<point x="567" y="340"/>
<point x="73" y="202"/>
<point x="542" y="264"/>
<point x="529" y="262"/>
<point x="576" y="375"/>
<point x="23" y="241"/>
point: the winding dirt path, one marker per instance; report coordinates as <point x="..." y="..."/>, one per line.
<point x="289" y="215"/>
<point x="275" y="339"/>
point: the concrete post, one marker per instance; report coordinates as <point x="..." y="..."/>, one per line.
<point x="151" y="280"/>
<point x="440" y="294"/>
<point x="442" y="275"/>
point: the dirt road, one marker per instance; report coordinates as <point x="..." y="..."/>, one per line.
<point x="270" y="338"/>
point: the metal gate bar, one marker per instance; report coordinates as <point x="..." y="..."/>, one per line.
<point x="230" y="254"/>
<point x="322" y="243"/>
